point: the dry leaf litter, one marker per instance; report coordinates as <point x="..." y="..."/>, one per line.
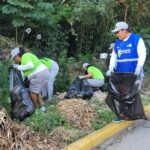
<point x="77" y="112"/>
<point x="18" y="137"/>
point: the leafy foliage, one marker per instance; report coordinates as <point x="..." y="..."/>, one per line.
<point x="4" y="84"/>
<point x="26" y="13"/>
<point x="76" y="28"/>
<point x="63" y="76"/>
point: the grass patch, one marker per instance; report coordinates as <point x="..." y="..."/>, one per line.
<point x="47" y="121"/>
<point x="104" y="114"/>
<point x="103" y="118"/>
<point x="145" y="100"/>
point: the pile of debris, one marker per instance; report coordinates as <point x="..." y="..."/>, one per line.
<point x="78" y="113"/>
<point x="18" y="137"/>
<point x="99" y="95"/>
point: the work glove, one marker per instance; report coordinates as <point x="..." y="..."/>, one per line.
<point x="81" y="77"/>
<point x="138" y="70"/>
<point x="15" y="66"/>
<point x="108" y="73"/>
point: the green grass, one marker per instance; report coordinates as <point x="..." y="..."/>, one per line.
<point x="145" y="100"/>
<point x="45" y="121"/>
<point x="103" y="118"/>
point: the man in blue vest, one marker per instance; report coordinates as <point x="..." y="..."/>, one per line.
<point x="129" y="52"/>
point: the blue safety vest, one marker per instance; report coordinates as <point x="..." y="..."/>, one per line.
<point x="126" y="52"/>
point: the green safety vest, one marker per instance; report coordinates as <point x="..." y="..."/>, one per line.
<point x="29" y="57"/>
<point x="96" y="73"/>
<point x="47" y="62"/>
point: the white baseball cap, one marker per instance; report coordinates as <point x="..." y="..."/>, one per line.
<point x="15" y="52"/>
<point x="85" y="65"/>
<point x="119" y="26"/>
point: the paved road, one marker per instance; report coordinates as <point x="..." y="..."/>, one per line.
<point x="135" y="138"/>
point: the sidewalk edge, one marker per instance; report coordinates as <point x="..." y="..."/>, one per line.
<point x="100" y="136"/>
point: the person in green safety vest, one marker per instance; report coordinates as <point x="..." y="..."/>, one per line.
<point x="93" y="75"/>
<point x="53" y="71"/>
<point x="34" y="70"/>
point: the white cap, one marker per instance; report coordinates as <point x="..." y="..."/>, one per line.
<point x="85" y="65"/>
<point x="119" y="26"/>
<point x="15" y="52"/>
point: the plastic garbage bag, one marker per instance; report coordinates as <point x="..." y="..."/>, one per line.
<point x="79" y="89"/>
<point x="21" y="103"/>
<point x="123" y="96"/>
<point x="123" y="86"/>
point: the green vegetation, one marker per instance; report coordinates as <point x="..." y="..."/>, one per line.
<point x="45" y="121"/>
<point x="4" y="84"/>
<point x="104" y="117"/>
<point x="76" y="28"/>
<point x="72" y="32"/>
<point x="145" y="100"/>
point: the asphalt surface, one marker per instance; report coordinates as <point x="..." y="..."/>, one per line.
<point x="136" y="137"/>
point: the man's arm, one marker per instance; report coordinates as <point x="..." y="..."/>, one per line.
<point x="113" y="59"/>
<point x="28" y="66"/>
<point x="141" y="50"/>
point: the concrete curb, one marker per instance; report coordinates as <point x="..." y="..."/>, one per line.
<point x="100" y="136"/>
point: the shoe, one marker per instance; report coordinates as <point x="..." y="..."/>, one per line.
<point x="43" y="109"/>
<point x="44" y="98"/>
<point x="118" y="120"/>
<point x="49" y="99"/>
<point x="79" y="95"/>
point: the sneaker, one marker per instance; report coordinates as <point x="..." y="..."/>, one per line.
<point x="44" y="98"/>
<point x="118" y="120"/>
<point x="49" y="99"/>
<point x="43" y="109"/>
<point x="79" y="95"/>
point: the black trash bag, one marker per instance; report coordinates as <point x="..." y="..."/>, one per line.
<point x="26" y="82"/>
<point x="123" y="86"/>
<point x="21" y="103"/>
<point x="123" y="96"/>
<point x="79" y="89"/>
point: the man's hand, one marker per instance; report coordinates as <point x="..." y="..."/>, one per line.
<point x="15" y="66"/>
<point x="108" y="73"/>
<point x="138" y="70"/>
<point x="81" y="77"/>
